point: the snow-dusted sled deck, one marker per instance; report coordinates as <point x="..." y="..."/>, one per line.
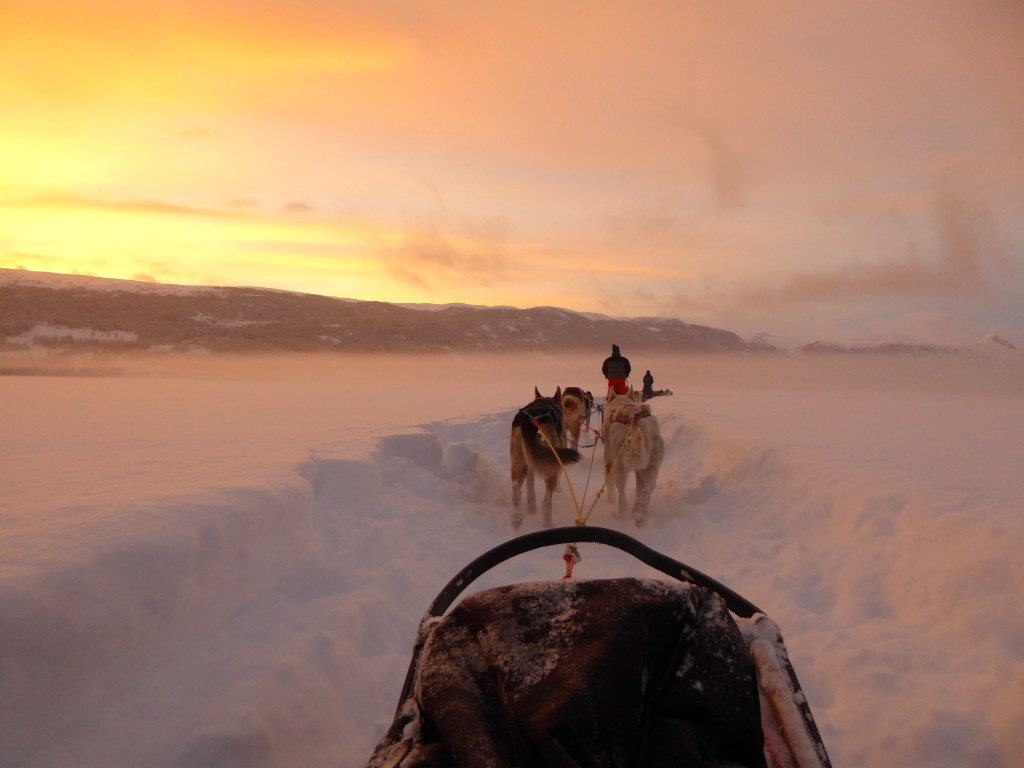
<point x="601" y="672"/>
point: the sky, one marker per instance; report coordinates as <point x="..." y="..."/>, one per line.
<point x="839" y="171"/>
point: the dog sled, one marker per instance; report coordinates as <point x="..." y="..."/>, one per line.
<point x="631" y="672"/>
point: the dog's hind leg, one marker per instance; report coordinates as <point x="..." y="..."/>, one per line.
<point x="622" y="480"/>
<point x="646" y="480"/>
<point x="609" y="481"/>
<point x="609" y="484"/>
<point x="617" y="490"/>
<point x="517" y="501"/>
<point x="550" y="484"/>
<point x="517" y="498"/>
<point x="531" y="493"/>
<point x="644" y="487"/>
<point x="519" y="472"/>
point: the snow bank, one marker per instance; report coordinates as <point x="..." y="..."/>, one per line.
<point x="77" y="626"/>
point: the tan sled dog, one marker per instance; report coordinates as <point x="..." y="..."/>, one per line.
<point x="578" y="405"/>
<point x="538" y="434"/>
<point x="632" y="443"/>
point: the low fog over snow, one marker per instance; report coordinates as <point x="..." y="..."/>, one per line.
<point x="222" y="562"/>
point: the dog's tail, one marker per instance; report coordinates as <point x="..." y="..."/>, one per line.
<point x="543" y="456"/>
<point x="543" y="451"/>
<point x="565" y="455"/>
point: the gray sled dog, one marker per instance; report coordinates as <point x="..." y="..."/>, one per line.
<point x="537" y="429"/>
<point x="632" y="443"/>
<point x="578" y="405"/>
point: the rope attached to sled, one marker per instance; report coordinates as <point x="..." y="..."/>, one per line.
<point x="572" y="555"/>
<point x="607" y="476"/>
<point x="581" y="519"/>
<point x="585" y="424"/>
<point x="565" y="472"/>
<point x="597" y="435"/>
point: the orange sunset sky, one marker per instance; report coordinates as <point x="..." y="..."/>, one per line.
<point x="838" y="170"/>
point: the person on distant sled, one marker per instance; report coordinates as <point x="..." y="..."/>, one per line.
<point x="649" y="391"/>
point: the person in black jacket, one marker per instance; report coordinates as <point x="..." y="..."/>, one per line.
<point x="616" y="369"/>
<point x="648" y="390"/>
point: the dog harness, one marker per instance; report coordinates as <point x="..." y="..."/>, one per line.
<point x="629" y="418"/>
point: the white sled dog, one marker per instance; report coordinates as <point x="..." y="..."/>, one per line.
<point x="578" y="404"/>
<point x="632" y="443"/>
<point x="538" y="434"/>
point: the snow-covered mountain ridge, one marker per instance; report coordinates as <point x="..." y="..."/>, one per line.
<point x="54" y="314"/>
<point x="990" y="345"/>
<point x="46" y="314"/>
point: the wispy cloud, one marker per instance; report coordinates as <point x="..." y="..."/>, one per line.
<point x="955" y="264"/>
<point x="237" y="203"/>
<point x="432" y="261"/>
<point x="79" y="202"/>
<point x="956" y="256"/>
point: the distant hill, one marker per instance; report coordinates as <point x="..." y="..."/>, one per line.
<point x="46" y="314"/>
<point x="991" y="345"/>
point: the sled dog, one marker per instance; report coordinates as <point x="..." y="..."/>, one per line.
<point x="632" y="443"/>
<point x="578" y="405"/>
<point x="538" y="433"/>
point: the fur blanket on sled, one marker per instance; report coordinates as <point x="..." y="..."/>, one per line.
<point x="615" y="672"/>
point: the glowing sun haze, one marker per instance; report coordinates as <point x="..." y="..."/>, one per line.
<point x="809" y="170"/>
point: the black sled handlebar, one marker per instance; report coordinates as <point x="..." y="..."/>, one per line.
<point x="575" y="535"/>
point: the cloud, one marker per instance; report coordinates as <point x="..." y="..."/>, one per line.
<point x="62" y="200"/>
<point x="240" y="203"/>
<point x="297" y="206"/>
<point x="431" y="261"/>
<point x="725" y="172"/>
<point x="946" y="269"/>
<point x="954" y="257"/>
<point x="933" y="327"/>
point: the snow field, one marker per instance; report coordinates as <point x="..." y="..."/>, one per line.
<point x="264" y="613"/>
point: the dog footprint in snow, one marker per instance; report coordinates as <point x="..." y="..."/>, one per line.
<point x="706" y="489"/>
<point x="458" y="459"/>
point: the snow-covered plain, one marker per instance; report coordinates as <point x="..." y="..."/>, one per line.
<point x="223" y="564"/>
